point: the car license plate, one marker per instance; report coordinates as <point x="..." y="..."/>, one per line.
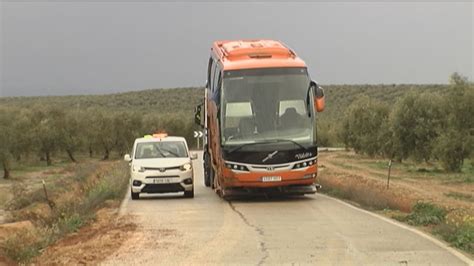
<point x="165" y="180"/>
<point x="271" y="178"/>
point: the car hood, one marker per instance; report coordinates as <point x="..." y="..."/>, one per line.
<point x="160" y="162"/>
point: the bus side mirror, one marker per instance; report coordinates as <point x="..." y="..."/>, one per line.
<point x="198" y="115"/>
<point x="318" y="93"/>
<point x="127" y="158"/>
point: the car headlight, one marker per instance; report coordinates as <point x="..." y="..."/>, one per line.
<point x="186" y="167"/>
<point x="139" y="169"/>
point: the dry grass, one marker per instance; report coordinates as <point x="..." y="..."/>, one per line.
<point x="460" y="196"/>
<point x="368" y="194"/>
<point x="75" y="199"/>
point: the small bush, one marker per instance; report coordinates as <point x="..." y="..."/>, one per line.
<point x="424" y="213"/>
<point x="460" y="236"/>
<point x="71" y="223"/>
<point x="23" y="198"/>
<point x="23" y="245"/>
<point x="452" y="147"/>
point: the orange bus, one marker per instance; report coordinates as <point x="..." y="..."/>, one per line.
<point x="259" y="119"/>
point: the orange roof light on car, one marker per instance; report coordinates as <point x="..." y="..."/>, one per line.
<point x="160" y="135"/>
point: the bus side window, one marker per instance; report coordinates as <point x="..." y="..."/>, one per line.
<point x="219" y="81"/>
<point x="216" y="78"/>
<point x="209" y="72"/>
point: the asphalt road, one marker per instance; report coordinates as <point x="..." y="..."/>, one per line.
<point x="314" y="230"/>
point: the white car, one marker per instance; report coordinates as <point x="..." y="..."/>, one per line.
<point x="161" y="164"/>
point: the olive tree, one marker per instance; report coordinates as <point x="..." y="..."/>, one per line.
<point x="24" y="132"/>
<point x="416" y="122"/>
<point x="71" y="137"/>
<point x="127" y="127"/>
<point x="362" y="125"/>
<point x="7" y="141"/>
<point x="102" y="126"/>
<point x="456" y="140"/>
<point x="46" y="122"/>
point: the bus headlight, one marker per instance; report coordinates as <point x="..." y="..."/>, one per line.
<point x="236" y="167"/>
<point x="305" y="164"/>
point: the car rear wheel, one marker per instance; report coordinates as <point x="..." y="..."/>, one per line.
<point x="134" y="195"/>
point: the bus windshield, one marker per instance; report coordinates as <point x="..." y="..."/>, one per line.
<point x="264" y="105"/>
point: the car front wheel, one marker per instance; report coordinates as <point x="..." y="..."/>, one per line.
<point x="189" y="194"/>
<point x="134" y="195"/>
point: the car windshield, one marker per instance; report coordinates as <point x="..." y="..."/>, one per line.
<point x="261" y="105"/>
<point x="162" y="149"/>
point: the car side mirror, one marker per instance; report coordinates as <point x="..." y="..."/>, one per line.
<point x="318" y="94"/>
<point x="127" y="158"/>
<point x="194" y="156"/>
<point x="198" y="115"/>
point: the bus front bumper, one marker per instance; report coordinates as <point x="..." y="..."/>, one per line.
<point x="290" y="181"/>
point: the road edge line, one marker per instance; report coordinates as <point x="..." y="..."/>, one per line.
<point x="437" y="242"/>
<point x="123" y="204"/>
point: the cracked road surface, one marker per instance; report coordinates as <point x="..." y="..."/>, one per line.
<point x="312" y="230"/>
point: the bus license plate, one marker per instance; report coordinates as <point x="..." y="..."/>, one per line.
<point x="165" y="180"/>
<point x="271" y="178"/>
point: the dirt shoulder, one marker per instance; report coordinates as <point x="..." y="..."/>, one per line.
<point x="92" y="243"/>
<point x="73" y="217"/>
<point x="348" y="170"/>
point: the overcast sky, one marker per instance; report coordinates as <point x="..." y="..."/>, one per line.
<point x="61" y="48"/>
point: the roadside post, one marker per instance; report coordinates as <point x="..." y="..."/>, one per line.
<point x="198" y="135"/>
<point x="389" y="169"/>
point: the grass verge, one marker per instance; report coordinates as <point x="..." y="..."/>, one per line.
<point x="455" y="227"/>
<point x="453" y="222"/>
<point x="75" y="200"/>
<point x="460" y="196"/>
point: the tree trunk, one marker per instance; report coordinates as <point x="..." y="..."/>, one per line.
<point x="6" y="170"/>
<point x="71" y="156"/>
<point x="90" y="151"/>
<point x="106" y="155"/>
<point x="48" y="159"/>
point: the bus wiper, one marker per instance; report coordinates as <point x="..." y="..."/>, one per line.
<point x="267" y="142"/>
<point x="246" y="144"/>
<point x="288" y="140"/>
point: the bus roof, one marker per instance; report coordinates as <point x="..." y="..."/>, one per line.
<point x="246" y="54"/>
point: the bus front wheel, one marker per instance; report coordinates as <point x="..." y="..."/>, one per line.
<point x="207" y="172"/>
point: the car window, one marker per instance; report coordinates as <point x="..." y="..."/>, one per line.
<point x="162" y="149"/>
